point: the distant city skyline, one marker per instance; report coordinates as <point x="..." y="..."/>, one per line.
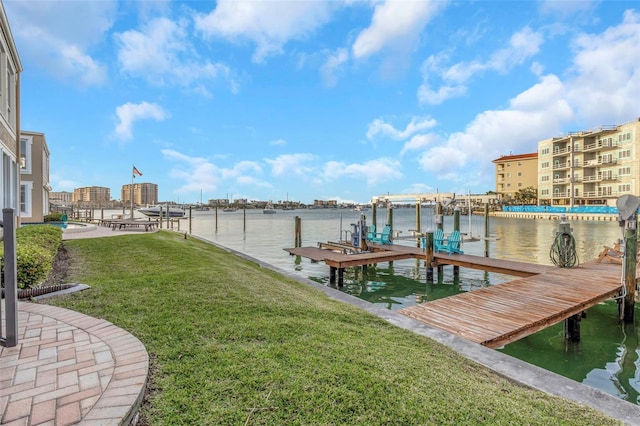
<point x="323" y="100"/>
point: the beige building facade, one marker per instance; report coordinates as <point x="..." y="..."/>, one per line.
<point x="515" y="172"/>
<point x="34" y="177"/>
<point x="591" y="167"/>
<point x="10" y="69"/>
<point x="142" y="193"/>
<point x="92" y="196"/>
<point x="61" y="198"/>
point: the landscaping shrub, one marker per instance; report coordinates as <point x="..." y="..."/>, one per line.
<point x="54" y="217"/>
<point x="36" y="248"/>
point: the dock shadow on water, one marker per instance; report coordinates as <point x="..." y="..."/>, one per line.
<point x="606" y="358"/>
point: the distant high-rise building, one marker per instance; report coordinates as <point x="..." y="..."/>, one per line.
<point x="590" y="167"/>
<point x="142" y="193"/>
<point x="61" y="198"/>
<point x="515" y="172"/>
<point x="92" y="196"/>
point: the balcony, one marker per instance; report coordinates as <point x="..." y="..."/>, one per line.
<point x="601" y="146"/>
<point x="561" y="166"/>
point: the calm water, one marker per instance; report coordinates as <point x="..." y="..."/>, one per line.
<point x="607" y="356"/>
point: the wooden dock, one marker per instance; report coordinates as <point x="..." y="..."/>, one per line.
<point x="497" y="315"/>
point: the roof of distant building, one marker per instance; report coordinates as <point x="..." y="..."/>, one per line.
<point x="512" y="157"/>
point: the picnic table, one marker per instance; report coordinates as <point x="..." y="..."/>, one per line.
<point x="148" y="225"/>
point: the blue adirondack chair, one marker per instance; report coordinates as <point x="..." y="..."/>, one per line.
<point x="449" y="245"/>
<point x="371" y="232"/>
<point x="439" y="244"/>
<point x="453" y="245"/>
<point x="383" y="237"/>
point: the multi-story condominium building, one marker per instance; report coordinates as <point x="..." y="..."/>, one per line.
<point x="515" y="172"/>
<point x="590" y="167"/>
<point x="34" y="177"/>
<point x="141" y="193"/>
<point x="10" y="69"/>
<point x="62" y="198"/>
<point x="92" y="196"/>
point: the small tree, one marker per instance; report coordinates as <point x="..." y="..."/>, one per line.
<point x="528" y="195"/>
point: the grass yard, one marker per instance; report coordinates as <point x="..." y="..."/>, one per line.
<point x="231" y="343"/>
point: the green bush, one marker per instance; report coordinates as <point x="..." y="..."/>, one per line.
<point x="36" y="248"/>
<point x="53" y="217"/>
<point x="33" y="265"/>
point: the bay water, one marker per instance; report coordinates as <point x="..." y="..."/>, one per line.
<point x="606" y="358"/>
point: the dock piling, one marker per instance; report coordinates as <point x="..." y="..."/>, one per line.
<point x="630" y="262"/>
<point x="486" y="230"/>
<point x="456" y="227"/>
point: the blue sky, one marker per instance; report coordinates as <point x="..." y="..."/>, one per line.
<point x="308" y="100"/>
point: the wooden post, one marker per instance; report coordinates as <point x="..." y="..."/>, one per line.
<point x="440" y="225"/>
<point x="374" y="214"/>
<point x="332" y="274"/>
<point x="486" y="230"/>
<point x="340" y="277"/>
<point x="216" y="220"/>
<point x="428" y="251"/>
<point x="572" y="328"/>
<point x="456" y="227"/>
<point x="630" y="262"/>
<point x="418" y="222"/>
<point x="161" y="219"/>
<point x="390" y="223"/>
<point x="244" y="219"/>
<point x="190" y="217"/>
<point x="297" y="238"/>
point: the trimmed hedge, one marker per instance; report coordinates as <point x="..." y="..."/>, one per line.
<point x="36" y="248"/>
<point x="54" y="217"/>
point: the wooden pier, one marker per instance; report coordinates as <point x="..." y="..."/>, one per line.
<point x="497" y="315"/>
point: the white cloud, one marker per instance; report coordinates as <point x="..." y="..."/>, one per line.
<point x="269" y="24"/>
<point x="278" y="142"/>
<point x="523" y="45"/>
<point x="197" y="173"/>
<point x="129" y="113"/>
<point x="605" y="76"/>
<point x="419" y="142"/>
<point x="533" y="115"/>
<point x="375" y="172"/>
<point x="291" y="165"/>
<point x="381" y="127"/>
<point x="45" y="37"/>
<point x="332" y="65"/>
<point x="395" y="24"/>
<point x="161" y="53"/>
<point x="200" y="174"/>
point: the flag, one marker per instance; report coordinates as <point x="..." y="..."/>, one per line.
<point x="136" y="172"/>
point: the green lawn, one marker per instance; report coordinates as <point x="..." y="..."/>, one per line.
<point x="231" y="343"/>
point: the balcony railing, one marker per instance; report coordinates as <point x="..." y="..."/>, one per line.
<point x="600" y="146"/>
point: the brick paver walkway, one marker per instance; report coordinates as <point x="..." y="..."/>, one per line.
<point x="69" y="368"/>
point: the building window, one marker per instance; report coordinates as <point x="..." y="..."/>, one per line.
<point x="25" y="154"/>
<point x="25" y="198"/>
